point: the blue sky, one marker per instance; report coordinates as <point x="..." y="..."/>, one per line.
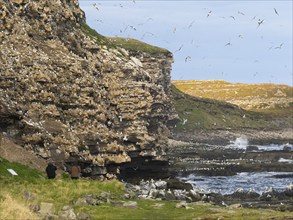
<point x="209" y="39"/>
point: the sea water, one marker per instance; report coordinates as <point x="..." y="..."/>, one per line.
<point x="242" y="143"/>
<point x="255" y="181"/>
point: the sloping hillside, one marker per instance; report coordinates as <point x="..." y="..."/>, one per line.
<point x="256" y="97"/>
<point x="202" y="113"/>
<point x="214" y="121"/>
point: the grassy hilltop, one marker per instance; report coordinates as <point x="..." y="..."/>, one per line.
<point x="256" y="97"/>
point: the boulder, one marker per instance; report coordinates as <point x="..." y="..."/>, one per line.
<point x="177" y="184"/>
<point x="252" y="148"/>
<point x="182" y="204"/>
<point x="83" y="216"/>
<point x="67" y="213"/>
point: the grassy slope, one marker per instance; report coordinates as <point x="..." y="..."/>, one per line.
<point x="64" y="191"/>
<point x="126" y="43"/>
<point x="202" y="113"/>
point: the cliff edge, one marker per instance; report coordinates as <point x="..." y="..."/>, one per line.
<point x="68" y="93"/>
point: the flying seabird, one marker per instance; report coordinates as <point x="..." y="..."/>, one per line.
<point x="259" y="22"/>
<point x="239" y="12"/>
<point x="209" y="14"/>
<point x="190" y="25"/>
<point x="147" y="33"/>
<point x="188" y="58"/>
<point x="95" y="6"/>
<point x="132" y="27"/>
<point x="179" y="48"/>
<point x="279" y="47"/>
<point x="276" y="11"/>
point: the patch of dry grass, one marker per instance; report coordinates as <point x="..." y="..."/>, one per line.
<point x="11" y="208"/>
<point x="247" y="96"/>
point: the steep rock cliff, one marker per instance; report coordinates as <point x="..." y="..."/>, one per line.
<point x="65" y="95"/>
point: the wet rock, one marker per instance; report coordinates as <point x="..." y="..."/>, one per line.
<point x="269" y="195"/>
<point x="251" y="148"/>
<point x="243" y="195"/>
<point x="287" y="148"/>
<point x="177" y="184"/>
<point x="289" y="190"/>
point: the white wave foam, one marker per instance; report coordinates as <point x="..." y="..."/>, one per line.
<point x="240" y="142"/>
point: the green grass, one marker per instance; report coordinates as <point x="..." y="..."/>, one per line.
<point x="99" y="39"/>
<point x="24" y="173"/>
<point x="135" y="45"/>
<point x="118" y="42"/>
<point x="63" y="192"/>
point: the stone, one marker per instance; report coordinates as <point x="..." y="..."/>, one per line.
<point x="67" y="213"/>
<point x="194" y="196"/>
<point x="161" y="184"/>
<point x="83" y="216"/>
<point x="287" y="148"/>
<point x="169" y="196"/>
<point x="47" y="208"/>
<point x="237" y="205"/>
<point x="136" y="61"/>
<point x="182" y="204"/>
<point x="251" y="148"/>
<point x="17" y="1"/>
<point x="177" y="184"/>
<point x="34" y="207"/>
<point x="130" y="204"/>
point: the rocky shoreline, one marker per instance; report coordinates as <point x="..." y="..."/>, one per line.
<point x="173" y="189"/>
<point x="225" y="136"/>
<point x="168" y="190"/>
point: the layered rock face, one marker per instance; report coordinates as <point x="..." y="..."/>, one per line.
<point x="65" y="97"/>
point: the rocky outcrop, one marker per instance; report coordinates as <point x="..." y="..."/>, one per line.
<point x="66" y="96"/>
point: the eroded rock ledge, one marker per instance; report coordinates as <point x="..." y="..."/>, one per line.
<point x="65" y="97"/>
